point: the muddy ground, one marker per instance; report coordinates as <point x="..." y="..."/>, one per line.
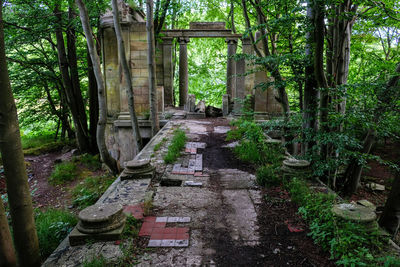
<point x="278" y="246"/>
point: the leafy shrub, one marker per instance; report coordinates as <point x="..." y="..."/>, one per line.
<point x="352" y="244"/>
<point x="52" y="227"/>
<point x="90" y="190"/>
<point x="64" y="172"/>
<point x="177" y="144"/>
<point x="267" y="176"/>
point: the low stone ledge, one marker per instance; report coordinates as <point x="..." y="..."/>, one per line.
<point x="127" y="192"/>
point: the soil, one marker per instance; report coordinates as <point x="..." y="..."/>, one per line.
<point x="45" y="195"/>
<point x="278" y="246"/>
<point x="379" y="173"/>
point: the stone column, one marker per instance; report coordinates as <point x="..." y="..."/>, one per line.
<point x="183" y="71"/>
<point x="247" y="48"/>
<point x="231" y="68"/>
<point x="168" y="72"/>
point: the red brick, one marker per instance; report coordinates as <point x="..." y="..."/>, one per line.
<point x="170" y="230"/>
<point x="169" y="236"/>
<point x="159" y="224"/>
<point x="156" y="236"/>
<point x="182" y="236"/>
<point x="150" y="219"/>
<point x="182" y="230"/>
<point x="158" y="230"/>
<point x="145" y="231"/>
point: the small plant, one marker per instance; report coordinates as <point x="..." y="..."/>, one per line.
<point x="64" y="172"/>
<point x="159" y="145"/>
<point x="52" y="227"/>
<point x="132" y="227"/>
<point x="95" y="261"/>
<point x="177" y="144"/>
<point x="267" y="176"/>
<point x="90" y="190"/>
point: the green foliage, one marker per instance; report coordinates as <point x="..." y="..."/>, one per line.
<point x="64" y="172"/>
<point x="252" y="146"/>
<point x="38" y="142"/>
<point x="52" y="227"/>
<point x="177" y="144"/>
<point x="268" y="176"/>
<point x="351" y="244"/>
<point x="92" y="162"/>
<point x="132" y="227"/>
<point x="160" y="144"/>
<point x="90" y="190"/>
<point x="95" y="261"/>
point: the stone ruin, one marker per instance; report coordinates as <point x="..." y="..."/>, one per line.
<point x="119" y="133"/>
<point x="101" y="222"/>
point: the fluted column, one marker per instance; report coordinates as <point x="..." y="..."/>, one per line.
<point x="231" y="68"/>
<point x="183" y="71"/>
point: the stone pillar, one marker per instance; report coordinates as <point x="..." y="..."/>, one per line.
<point x="231" y="68"/>
<point x="248" y="49"/>
<point x="226" y="105"/>
<point x="168" y="72"/>
<point x="183" y="71"/>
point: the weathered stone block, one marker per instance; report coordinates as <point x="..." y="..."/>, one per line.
<point x="138" y="45"/>
<point x="78" y="238"/>
<point x="225" y="105"/>
<point x="207" y="25"/>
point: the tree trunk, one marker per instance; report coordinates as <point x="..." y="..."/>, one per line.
<point x="73" y="98"/>
<point x="311" y="94"/>
<point x="354" y="170"/>
<point x="151" y="60"/>
<point x="93" y="104"/>
<point x="7" y="255"/>
<point x="101" y="127"/>
<point x="24" y="231"/>
<point x="390" y="218"/>
<point x="127" y="76"/>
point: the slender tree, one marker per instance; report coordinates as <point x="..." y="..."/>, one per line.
<point x="101" y="127"/>
<point x="151" y="60"/>
<point x="390" y="219"/>
<point x="127" y="76"/>
<point x="7" y="255"/>
<point x="68" y="68"/>
<point x="25" y="237"/>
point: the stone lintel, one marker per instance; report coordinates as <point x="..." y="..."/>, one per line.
<point x="207" y="25"/>
<point x="200" y="33"/>
<point x="231" y="40"/>
<point x="167" y="40"/>
<point x="183" y="40"/>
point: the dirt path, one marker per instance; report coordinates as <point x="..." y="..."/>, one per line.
<point x="231" y="224"/>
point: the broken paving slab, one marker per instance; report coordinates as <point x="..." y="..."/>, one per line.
<point x="195" y="145"/>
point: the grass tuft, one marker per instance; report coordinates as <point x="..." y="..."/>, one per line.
<point x="177" y="144"/>
<point x="64" y="172"/>
<point x="52" y="227"/>
<point x="90" y="190"/>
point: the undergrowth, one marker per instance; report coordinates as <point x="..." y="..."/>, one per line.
<point x="177" y="144"/>
<point x="64" y="172"/>
<point x="160" y="144"/>
<point x="52" y="227"/>
<point x="90" y="190"/>
<point x="349" y="243"/>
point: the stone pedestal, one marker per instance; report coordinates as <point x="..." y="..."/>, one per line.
<point x="231" y="68"/>
<point x="102" y="222"/>
<point x="295" y="167"/>
<point x="356" y="213"/>
<point x="190" y="103"/>
<point x="138" y="169"/>
<point x="183" y="71"/>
